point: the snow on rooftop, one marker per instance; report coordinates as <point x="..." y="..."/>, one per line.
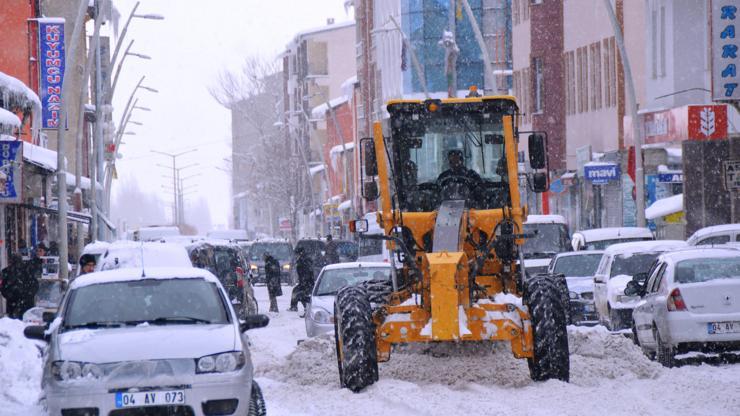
<point x="345" y="205"/>
<point x="84" y="182"/>
<point x="600" y="234"/>
<point x="128" y="274"/>
<point x="40" y="156"/>
<point x="545" y="219"/>
<point x="319" y="112"/>
<point x="9" y="119"/>
<point x="645" y="246"/>
<point x="325" y="28"/>
<point x="665" y="206"/>
<point x="16" y="94"/>
<point x="339" y="148"/>
<point x="348" y="86"/>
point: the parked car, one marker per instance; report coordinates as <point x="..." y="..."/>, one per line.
<point x="601" y="238"/>
<point x="320" y="315"/>
<point x="280" y="249"/>
<point x="579" y="268"/>
<point x="691" y="302"/>
<point x="125" y="342"/>
<point x="618" y="265"/>
<point x="225" y="260"/>
<point x="123" y="254"/>
<point x="716" y="234"/>
<point x="551" y="237"/>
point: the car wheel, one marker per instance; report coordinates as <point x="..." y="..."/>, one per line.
<point x="257" y="405"/>
<point x="551" y="358"/>
<point x="634" y="335"/>
<point x="665" y="353"/>
<point x="615" y="322"/>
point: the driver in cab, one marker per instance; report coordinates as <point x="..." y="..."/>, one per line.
<point x="458" y="171"/>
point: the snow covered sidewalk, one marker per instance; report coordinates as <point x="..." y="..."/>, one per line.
<point x="609" y="375"/>
<point x="20" y="370"/>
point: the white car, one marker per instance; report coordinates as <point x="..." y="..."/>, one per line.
<point x="579" y="268"/>
<point x="691" y="303"/>
<point x="166" y="340"/>
<point x="551" y="237"/>
<point x="320" y="312"/>
<point x="123" y="254"/>
<point x="716" y="234"/>
<point x="601" y="238"/>
<point x="618" y="265"/>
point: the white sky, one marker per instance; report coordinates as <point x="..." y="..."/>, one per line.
<point x="188" y="49"/>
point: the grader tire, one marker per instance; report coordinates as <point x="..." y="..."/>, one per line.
<point x="543" y="297"/>
<point x="355" y="339"/>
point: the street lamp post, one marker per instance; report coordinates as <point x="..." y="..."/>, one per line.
<point x="174" y="157"/>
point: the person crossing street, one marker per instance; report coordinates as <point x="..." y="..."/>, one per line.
<point x="304" y="270"/>
<point x="272" y="279"/>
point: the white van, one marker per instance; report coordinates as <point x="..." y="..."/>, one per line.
<point x="372" y="250"/>
<point x="551" y="237"/>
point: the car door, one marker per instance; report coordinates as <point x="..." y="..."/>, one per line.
<point x="600" y="279"/>
<point x="643" y="314"/>
<point x="654" y="304"/>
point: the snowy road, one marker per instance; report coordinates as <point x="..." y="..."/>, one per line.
<point x="609" y="375"/>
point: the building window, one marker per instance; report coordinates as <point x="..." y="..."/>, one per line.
<point x="539" y="85"/>
<point x="596" y="75"/>
<point x="582" y="59"/>
<point x="318" y="58"/>
<point x="525" y="10"/>
<point x="607" y="76"/>
<point x="654" y="44"/>
<point x="570" y="82"/>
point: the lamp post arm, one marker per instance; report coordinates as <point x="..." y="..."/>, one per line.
<point x="123" y="35"/>
<point x="109" y="94"/>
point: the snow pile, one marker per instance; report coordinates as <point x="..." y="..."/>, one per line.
<point x="20" y="367"/>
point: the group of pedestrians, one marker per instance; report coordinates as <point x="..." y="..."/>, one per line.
<point x="304" y="268"/>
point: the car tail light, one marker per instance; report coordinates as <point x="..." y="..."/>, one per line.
<point x="675" y="301"/>
<point x="240" y="283"/>
<point x="239" y="271"/>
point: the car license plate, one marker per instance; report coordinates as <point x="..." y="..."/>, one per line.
<point x="149" y="398"/>
<point x="588" y="308"/>
<point x="731" y="327"/>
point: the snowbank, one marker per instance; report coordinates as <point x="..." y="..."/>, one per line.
<point x="8" y="119"/>
<point x="665" y="206"/>
<point x="20" y="370"/>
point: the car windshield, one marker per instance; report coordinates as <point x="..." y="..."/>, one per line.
<point x="549" y="240"/>
<point x="577" y="266"/>
<point x="603" y="244"/>
<point x="702" y="270"/>
<point x="347" y="250"/>
<point x="157" y="301"/>
<point x="631" y="264"/>
<point x="281" y="251"/>
<point x="332" y="280"/>
<point x="314" y="248"/>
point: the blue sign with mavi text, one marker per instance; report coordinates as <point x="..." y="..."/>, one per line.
<point x="601" y="173"/>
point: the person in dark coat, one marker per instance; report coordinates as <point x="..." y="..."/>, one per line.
<point x="304" y="270"/>
<point x="18" y="287"/>
<point x="36" y="264"/>
<point x="332" y="252"/>
<point x="272" y="279"/>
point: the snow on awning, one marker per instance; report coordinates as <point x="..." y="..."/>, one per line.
<point x="9" y="120"/>
<point x="665" y="206"/>
<point x="316" y="169"/>
<point x="339" y="149"/>
<point x="319" y="112"/>
<point x="569" y="175"/>
<point x="348" y="86"/>
<point x="84" y="182"/>
<point x="345" y="205"/>
<point x="16" y="95"/>
<point x="39" y="156"/>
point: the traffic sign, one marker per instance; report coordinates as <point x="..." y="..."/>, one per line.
<point x="732" y="174"/>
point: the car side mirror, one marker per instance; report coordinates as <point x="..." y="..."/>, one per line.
<point x="358" y="226"/>
<point x="599" y="279"/>
<point x="537" y="151"/>
<point x="36" y="332"/>
<point x="633" y="288"/>
<point x="370" y="191"/>
<point x="368" y="156"/>
<point x="48" y="317"/>
<point x="640" y="278"/>
<point x="253" y="322"/>
<point x="539" y="182"/>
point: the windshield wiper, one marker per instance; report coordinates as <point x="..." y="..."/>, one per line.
<point x="94" y="325"/>
<point x="178" y="319"/>
<point x="539" y="254"/>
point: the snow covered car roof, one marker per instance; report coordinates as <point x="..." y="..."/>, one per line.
<point x="545" y="219"/>
<point x="123" y="254"/>
<point x="356" y="265"/>
<point x="96" y="247"/>
<point x="714" y="229"/>
<point x="600" y="234"/>
<point x="135" y="273"/>
<point x="700" y="252"/>
<point x="579" y="253"/>
<point x="645" y="246"/>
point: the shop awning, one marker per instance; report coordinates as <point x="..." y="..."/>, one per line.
<point x="345" y="205"/>
<point x="74" y="216"/>
<point x="665" y="206"/>
<point x="8" y="119"/>
<point x="40" y="156"/>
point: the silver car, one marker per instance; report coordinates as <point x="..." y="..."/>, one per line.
<point x="579" y="268"/>
<point x="320" y="313"/>
<point x="164" y="339"/>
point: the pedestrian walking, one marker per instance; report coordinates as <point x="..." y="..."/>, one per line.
<point x="332" y="252"/>
<point x="18" y="287"/>
<point x="304" y="270"/>
<point x="272" y="279"/>
<point x="36" y="264"/>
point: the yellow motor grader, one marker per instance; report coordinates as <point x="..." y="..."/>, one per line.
<point x="446" y="172"/>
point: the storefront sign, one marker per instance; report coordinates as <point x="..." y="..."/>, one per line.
<point x="11" y="158"/>
<point x="51" y="70"/>
<point x="284" y="224"/>
<point x="732" y="174"/>
<point x="707" y="122"/>
<point x="725" y="79"/>
<point x="602" y="173"/>
<point x="670" y="177"/>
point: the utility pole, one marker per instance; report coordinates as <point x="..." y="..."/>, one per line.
<point x="174" y="156"/>
<point x="636" y="131"/>
<point x="61" y="173"/>
<point x="487" y="63"/>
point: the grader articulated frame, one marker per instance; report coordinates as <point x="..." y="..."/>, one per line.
<point x="459" y="238"/>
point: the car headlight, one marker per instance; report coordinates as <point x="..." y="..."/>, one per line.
<point x="252" y="267"/>
<point x="573" y="295"/>
<point x="321" y="316"/>
<point x="220" y="363"/>
<point x="286" y="266"/>
<point x="73" y="370"/>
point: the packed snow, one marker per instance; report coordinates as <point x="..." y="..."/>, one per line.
<point x="298" y="376"/>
